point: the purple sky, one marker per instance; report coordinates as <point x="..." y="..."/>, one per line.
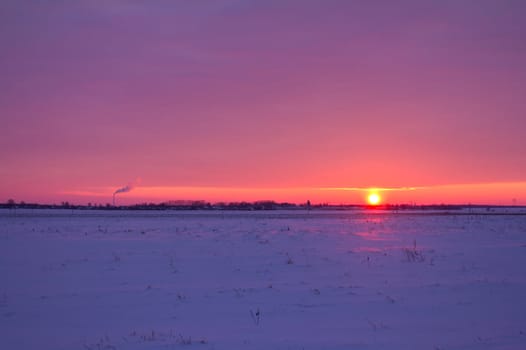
<point x="260" y="94"/>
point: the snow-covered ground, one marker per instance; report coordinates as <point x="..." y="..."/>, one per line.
<point x="262" y="280"/>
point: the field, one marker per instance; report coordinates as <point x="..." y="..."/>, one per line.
<point x="262" y="280"/>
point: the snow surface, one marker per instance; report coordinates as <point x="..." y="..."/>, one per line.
<point x="262" y="280"/>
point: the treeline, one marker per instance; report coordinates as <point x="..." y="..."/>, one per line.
<point x="203" y="205"/>
<point x="170" y="205"/>
<point x="257" y="205"/>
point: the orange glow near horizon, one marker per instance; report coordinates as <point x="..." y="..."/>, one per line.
<point x="512" y="193"/>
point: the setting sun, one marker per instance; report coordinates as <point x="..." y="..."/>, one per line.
<point x="373" y="199"/>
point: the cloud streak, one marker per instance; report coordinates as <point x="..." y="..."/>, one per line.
<point x="368" y="189"/>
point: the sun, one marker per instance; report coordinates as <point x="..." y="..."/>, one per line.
<point x="373" y="199"/>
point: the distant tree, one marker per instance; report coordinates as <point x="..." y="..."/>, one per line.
<point x="11" y="203"/>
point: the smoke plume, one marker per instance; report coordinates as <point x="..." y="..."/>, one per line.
<point x="126" y="188"/>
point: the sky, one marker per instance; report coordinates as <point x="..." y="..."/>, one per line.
<point x="255" y="100"/>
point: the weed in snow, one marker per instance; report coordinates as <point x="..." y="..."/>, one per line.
<point x="172" y="264"/>
<point x="104" y="343"/>
<point x="255" y="316"/>
<point x="377" y="326"/>
<point x="184" y="341"/>
<point x="413" y="255"/>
